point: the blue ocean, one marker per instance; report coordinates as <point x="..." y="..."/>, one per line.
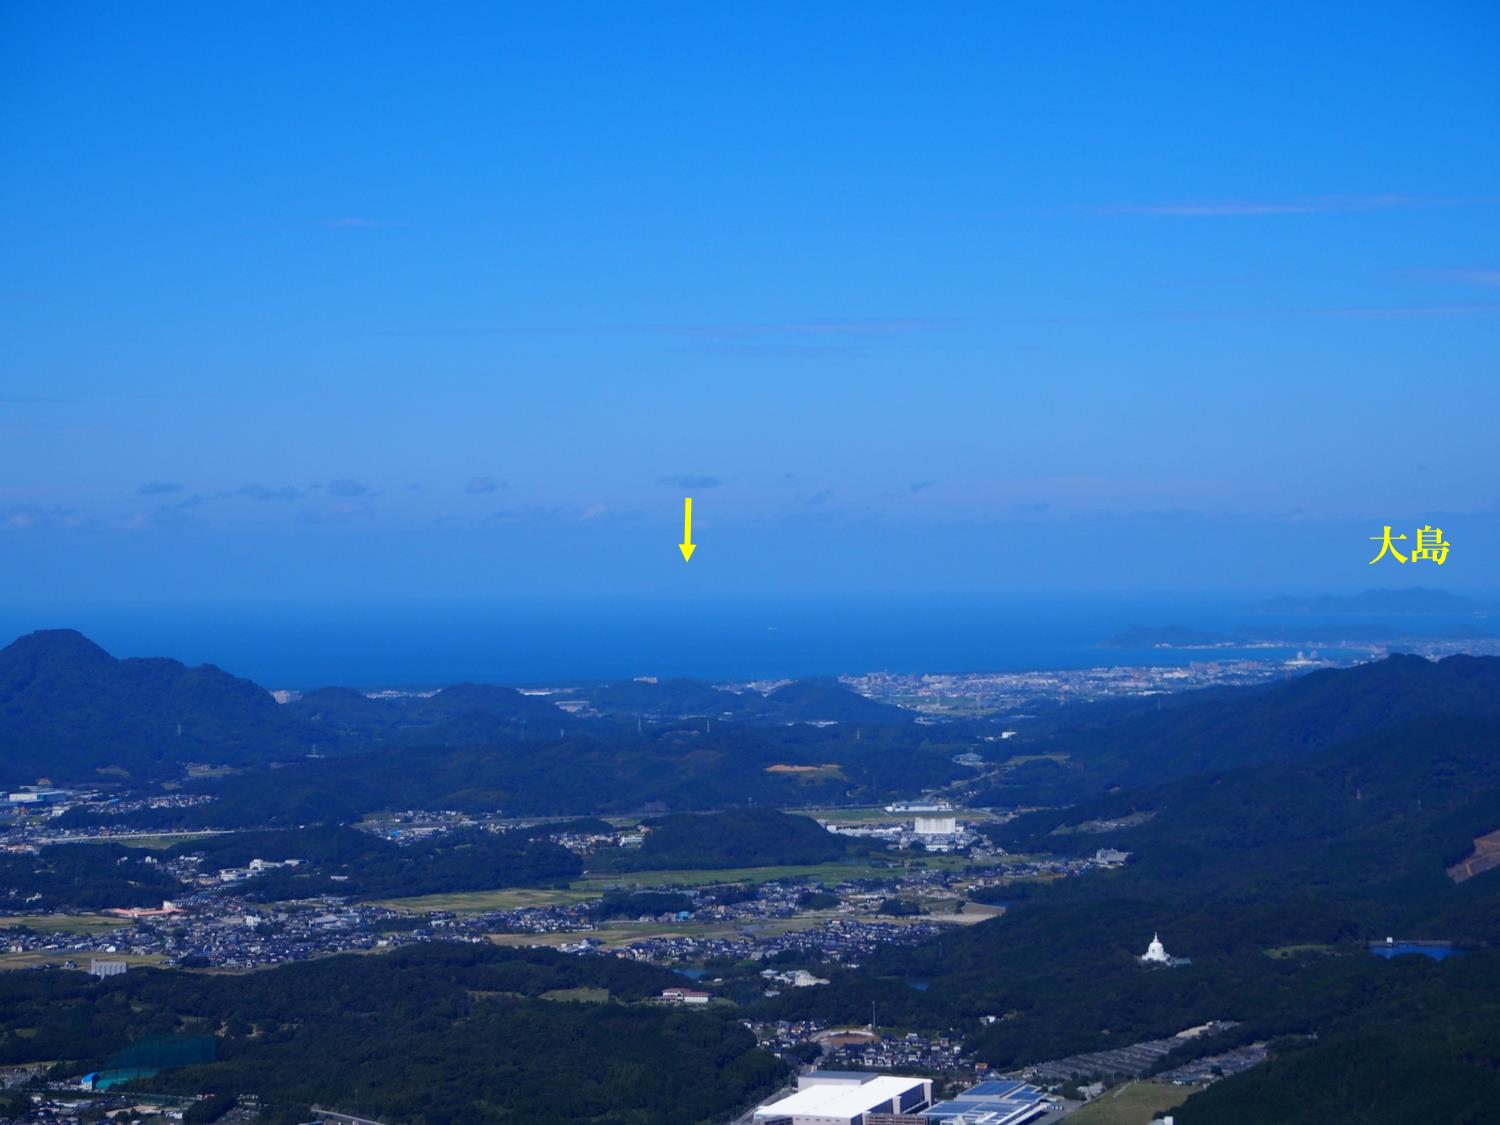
<point x="424" y="644"/>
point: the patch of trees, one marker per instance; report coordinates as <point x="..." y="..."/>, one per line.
<point x="209" y="1109"/>
<point x="344" y="861"/>
<point x="735" y="838"/>
<point x="84" y="877"/>
<point x="433" y="1035"/>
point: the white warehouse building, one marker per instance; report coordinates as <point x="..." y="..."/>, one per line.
<point x="942" y="825"/>
<point x="838" y="1097"/>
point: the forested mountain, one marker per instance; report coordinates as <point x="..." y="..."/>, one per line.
<point x="1272" y="878"/>
<point x="663" y="771"/>
<point x="1413" y="599"/>
<point x="70" y="712"/>
<point x="1139" y="743"/>
<point x="460" y="715"/>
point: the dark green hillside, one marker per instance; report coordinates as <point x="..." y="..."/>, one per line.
<point x="460" y="715"/>
<point x="1427" y="1051"/>
<point x="734" y="838"/>
<point x="83" y="877"/>
<point x="72" y="713"/>
<point x="813" y="701"/>
<point x="809" y="701"/>
<point x="1222" y="729"/>
<point x="668" y="699"/>
<point x="665" y="770"/>
<point x="432" y="1035"/>
<point x="343" y="861"/>
<point x="68" y="709"/>
<point x="1329" y="853"/>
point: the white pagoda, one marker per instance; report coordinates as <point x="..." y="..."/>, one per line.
<point x="1156" y="952"/>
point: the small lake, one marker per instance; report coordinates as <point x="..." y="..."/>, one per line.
<point x="919" y="985"/>
<point x="691" y="974"/>
<point x="1437" y="950"/>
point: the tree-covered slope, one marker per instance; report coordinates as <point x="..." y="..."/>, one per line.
<point x="1289" y="721"/>
<point x="69" y="709"/>
<point x="431" y="1035"/>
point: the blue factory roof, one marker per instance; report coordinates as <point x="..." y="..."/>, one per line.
<point x="992" y="1102"/>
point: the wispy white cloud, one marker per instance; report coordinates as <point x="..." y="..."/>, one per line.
<point x="32" y="517"/>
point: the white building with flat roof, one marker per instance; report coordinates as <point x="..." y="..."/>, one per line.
<point x="846" y="1098"/>
<point x="942" y="825"/>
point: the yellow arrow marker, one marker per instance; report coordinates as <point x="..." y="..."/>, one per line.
<point x="687" y="546"/>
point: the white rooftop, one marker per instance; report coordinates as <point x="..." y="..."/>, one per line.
<point x="839" y="1099"/>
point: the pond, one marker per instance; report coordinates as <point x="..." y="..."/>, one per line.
<point x="1437" y="950"/>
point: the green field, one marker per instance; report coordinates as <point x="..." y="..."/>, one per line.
<point x="832" y="872"/>
<point x="1134" y="1103"/>
<point x="158" y="841"/>
<point x="476" y="902"/>
<point x="65" y="923"/>
<point x="56" y="957"/>
<point x="1285" y="951"/>
<point x="595" y="885"/>
<point x="835" y="871"/>
<point x="578" y="995"/>
<point x="618" y="934"/>
<point x="864" y="814"/>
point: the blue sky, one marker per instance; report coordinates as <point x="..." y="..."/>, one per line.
<point x="379" y="301"/>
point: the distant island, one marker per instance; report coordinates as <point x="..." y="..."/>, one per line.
<point x="1415" y="599"/>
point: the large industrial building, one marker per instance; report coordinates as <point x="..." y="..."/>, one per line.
<point x="991" y="1102"/>
<point x="837" y="1097"/>
<point x="945" y="824"/>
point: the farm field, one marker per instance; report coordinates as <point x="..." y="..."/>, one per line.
<point x="1134" y="1103"/>
<point x="476" y="902"/>
<point x="596" y="884"/>
<point x="40" y="957"/>
<point x="64" y="923"/>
